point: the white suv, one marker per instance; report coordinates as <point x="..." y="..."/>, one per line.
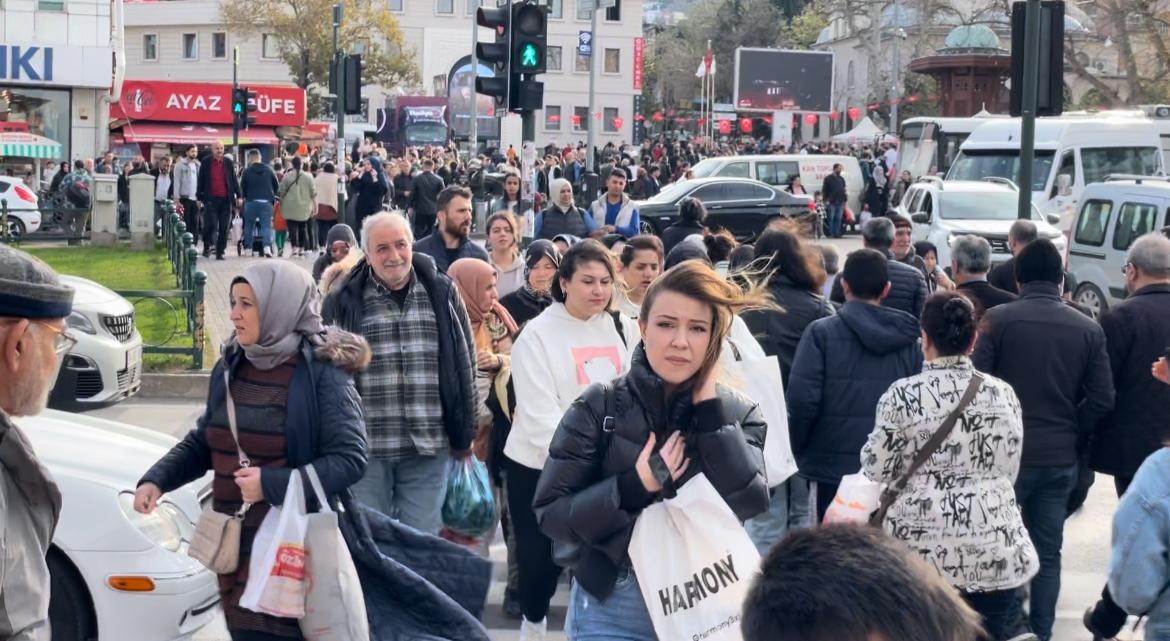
<point x="940" y="210"/>
<point x="106" y="364"/>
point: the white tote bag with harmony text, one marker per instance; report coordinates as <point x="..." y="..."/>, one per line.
<point x="694" y="563"/>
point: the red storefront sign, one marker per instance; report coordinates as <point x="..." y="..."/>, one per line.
<point x="639" y="51"/>
<point x="206" y="102"/>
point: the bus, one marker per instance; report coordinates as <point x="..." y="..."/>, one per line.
<point x="928" y="145"/>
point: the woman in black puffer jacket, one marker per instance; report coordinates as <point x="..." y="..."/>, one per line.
<point x="670" y="422"/>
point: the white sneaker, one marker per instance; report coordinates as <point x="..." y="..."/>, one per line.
<point x="533" y="631"/>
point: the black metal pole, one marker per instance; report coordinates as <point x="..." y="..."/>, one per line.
<point x="1028" y="101"/>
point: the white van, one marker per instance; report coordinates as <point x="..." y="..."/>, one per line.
<point x="1070" y="153"/>
<point x="1113" y="214"/>
<point x="777" y="170"/>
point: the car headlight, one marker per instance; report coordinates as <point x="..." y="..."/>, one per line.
<point x="79" y="322"/>
<point x="161" y="527"/>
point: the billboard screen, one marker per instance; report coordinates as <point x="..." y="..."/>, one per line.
<point x="461" y="91"/>
<point x="781" y="80"/>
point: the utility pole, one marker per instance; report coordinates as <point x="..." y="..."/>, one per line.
<point x="591" y="136"/>
<point x="235" y="120"/>
<point x="1028" y="107"/>
<point x="339" y="74"/>
<point x="473" y="135"/>
<point x="897" y="70"/>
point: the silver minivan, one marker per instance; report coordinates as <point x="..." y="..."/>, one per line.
<point x="1112" y="215"/>
<point x="777" y="170"/>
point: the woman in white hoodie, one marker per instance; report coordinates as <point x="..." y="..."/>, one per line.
<point x="577" y="341"/>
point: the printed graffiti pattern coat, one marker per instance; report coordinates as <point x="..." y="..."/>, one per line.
<point x="959" y="511"/>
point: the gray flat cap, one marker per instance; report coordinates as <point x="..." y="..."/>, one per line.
<point x="31" y="289"/>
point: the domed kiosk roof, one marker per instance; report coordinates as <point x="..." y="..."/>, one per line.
<point x="973" y="37"/>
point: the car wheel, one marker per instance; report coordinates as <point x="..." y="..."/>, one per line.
<point x="1091" y="297"/>
<point x="70" y="608"/>
<point x="16" y="228"/>
<point x="648" y="227"/>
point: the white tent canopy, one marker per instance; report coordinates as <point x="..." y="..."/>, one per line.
<point x="26" y="145"/>
<point x="865" y="131"/>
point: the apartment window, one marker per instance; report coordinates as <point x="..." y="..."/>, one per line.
<point x="472" y="5"/>
<point x="582" y="63"/>
<point x="556" y="9"/>
<point x="150" y="46"/>
<point x="552" y="118"/>
<point x="610" y="114"/>
<point x="580" y="118"/>
<point x="219" y="46"/>
<point x="396" y="6"/>
<point x="445" y="7"/>
<point x="50" y="5"/>
<point x="614" y="13"/>
<point x="269" y="46"/>
<point x="613" y="61"/>
<point x="553" y="58"/>
<point x="585" y="9"/>
<point x="190" y="46"/>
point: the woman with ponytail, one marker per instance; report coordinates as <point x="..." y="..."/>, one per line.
<point x="958" y="511"/>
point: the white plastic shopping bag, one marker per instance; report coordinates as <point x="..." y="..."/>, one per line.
<point x="694" y="563"/>
<point x="856" y="500"/>
<point x="276" y="571"/>
<point x="335" y="608"/>
<point x="759" y="379"/>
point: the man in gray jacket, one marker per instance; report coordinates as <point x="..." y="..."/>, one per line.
<point x="33" y="309"/>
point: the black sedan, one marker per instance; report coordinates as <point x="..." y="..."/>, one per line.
<point x="741" y="205"/>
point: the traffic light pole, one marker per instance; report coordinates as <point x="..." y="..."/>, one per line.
<point x="1028" y="101"/>
<point x="339" y="70"/>
<point x="236" y="120"/>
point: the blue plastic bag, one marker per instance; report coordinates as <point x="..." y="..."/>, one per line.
<point x="469" y="509"/>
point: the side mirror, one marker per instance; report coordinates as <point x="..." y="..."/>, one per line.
<point x="1053" y="219"/>
<point x="921" y="218"/>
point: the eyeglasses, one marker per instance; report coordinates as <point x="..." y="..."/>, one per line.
<point x="63" y="341"/>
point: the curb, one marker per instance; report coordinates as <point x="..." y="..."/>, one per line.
<point x="185" y="386"/>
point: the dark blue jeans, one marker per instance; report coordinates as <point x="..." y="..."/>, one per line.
<point x="836" y="219"/>
<point x="1042" y="494"/>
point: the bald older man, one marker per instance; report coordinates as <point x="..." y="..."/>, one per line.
<point x="217" y="191"/>
<point x="33" y="308"/>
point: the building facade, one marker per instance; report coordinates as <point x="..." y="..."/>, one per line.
<point x="58" y="67"/>
<point x="184" y="40"/>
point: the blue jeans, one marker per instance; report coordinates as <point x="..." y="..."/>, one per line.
<point x="768" y="528"/>
<point x="1042" y="494"/>
<point x="258" y="210"/>
<point x="410" y="491"/>
<point x="621" y="617"/>
<point x="836" y="218"/>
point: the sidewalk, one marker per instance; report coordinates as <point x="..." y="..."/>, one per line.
<point x="217" y="309"/>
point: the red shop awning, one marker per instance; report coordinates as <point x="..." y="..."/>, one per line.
<point x="180" y="134"/>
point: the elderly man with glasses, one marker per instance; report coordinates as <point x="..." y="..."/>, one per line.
<point x="33" y="308"/>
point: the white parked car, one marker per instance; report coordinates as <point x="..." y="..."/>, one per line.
<point x="106" y="364"/>
<point x="23" y="217"/>
<point x="940" y="210"/>
<point x="116" y="574"/>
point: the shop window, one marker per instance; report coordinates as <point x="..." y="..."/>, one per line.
<point x="190" y="46"/>
<point x="396" y="6"/>
<point x="150" y="46"/>
<point x="219" y="45"/>
<point x="43" y="112"/>
<point x="269" y="46"/>
<point x="556" y="9"/>
<point x="552" y="118"/>
<point x="553" y="58"/>
<point x="608" y="116"/>
<point x="445" y="7"/>
<point x="613" y="61"/>
<point x="614" y="13"/>
<point x="581" y="121"/>
<point x="50" y="5"/>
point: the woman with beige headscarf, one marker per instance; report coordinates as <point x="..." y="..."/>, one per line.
<point x="290" y="383"/>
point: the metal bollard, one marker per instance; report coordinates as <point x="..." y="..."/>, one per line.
<point x="200" y="281"/>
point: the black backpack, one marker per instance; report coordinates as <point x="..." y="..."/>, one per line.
<point x="77" y="193"/>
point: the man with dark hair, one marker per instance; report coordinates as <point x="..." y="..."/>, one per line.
<point x="452" y="240"/>
<point x="852" y="583"/>
<point x="836" y="194"/>
<point x="424" y="193"/>
<point x="1020" y="234"/>
<point x="907" y="284"/>
<point x="843" y="364"/>
<point x="970" y="261"/>
<point x="1055" y="360"/>
<point x="903" y="247"/>
<point x="614" y="212"/>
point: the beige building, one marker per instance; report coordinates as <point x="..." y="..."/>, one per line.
<point x="184" y="40"/>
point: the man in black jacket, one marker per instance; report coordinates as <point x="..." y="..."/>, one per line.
<point x="218" y="190"/>
<point x="970" y="260"/>
<point x="418" y="393"/>
<point x="258" y="186"/>
<point x="1137" y="333"/>
<point x="1055" y="360"/>
<point x="1020" y="234"/>
<point x="424" y="197"/>
<point x="907" y="284"/>
<point x="835" y="194"/>
<point x="451" y="240"/>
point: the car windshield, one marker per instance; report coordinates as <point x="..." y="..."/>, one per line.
<point x="426" y="134"/>
<point x="706" y="168"/>
<point x="671" y="193"/>
<point x="983" y="205"/>
<point x="1002" y="163"/>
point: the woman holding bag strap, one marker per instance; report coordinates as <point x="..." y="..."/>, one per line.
<point x="624" y="445"/>
<point x="291" y="383"/>
<point x="958" y="511"/>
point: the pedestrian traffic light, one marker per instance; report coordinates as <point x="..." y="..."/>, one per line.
<point x="353" y="84"/>
<point x="243" y="104"/>
<point x="529" y="35"/>
<point x="495" y="54"/>
<point x="1050" y="76"/>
